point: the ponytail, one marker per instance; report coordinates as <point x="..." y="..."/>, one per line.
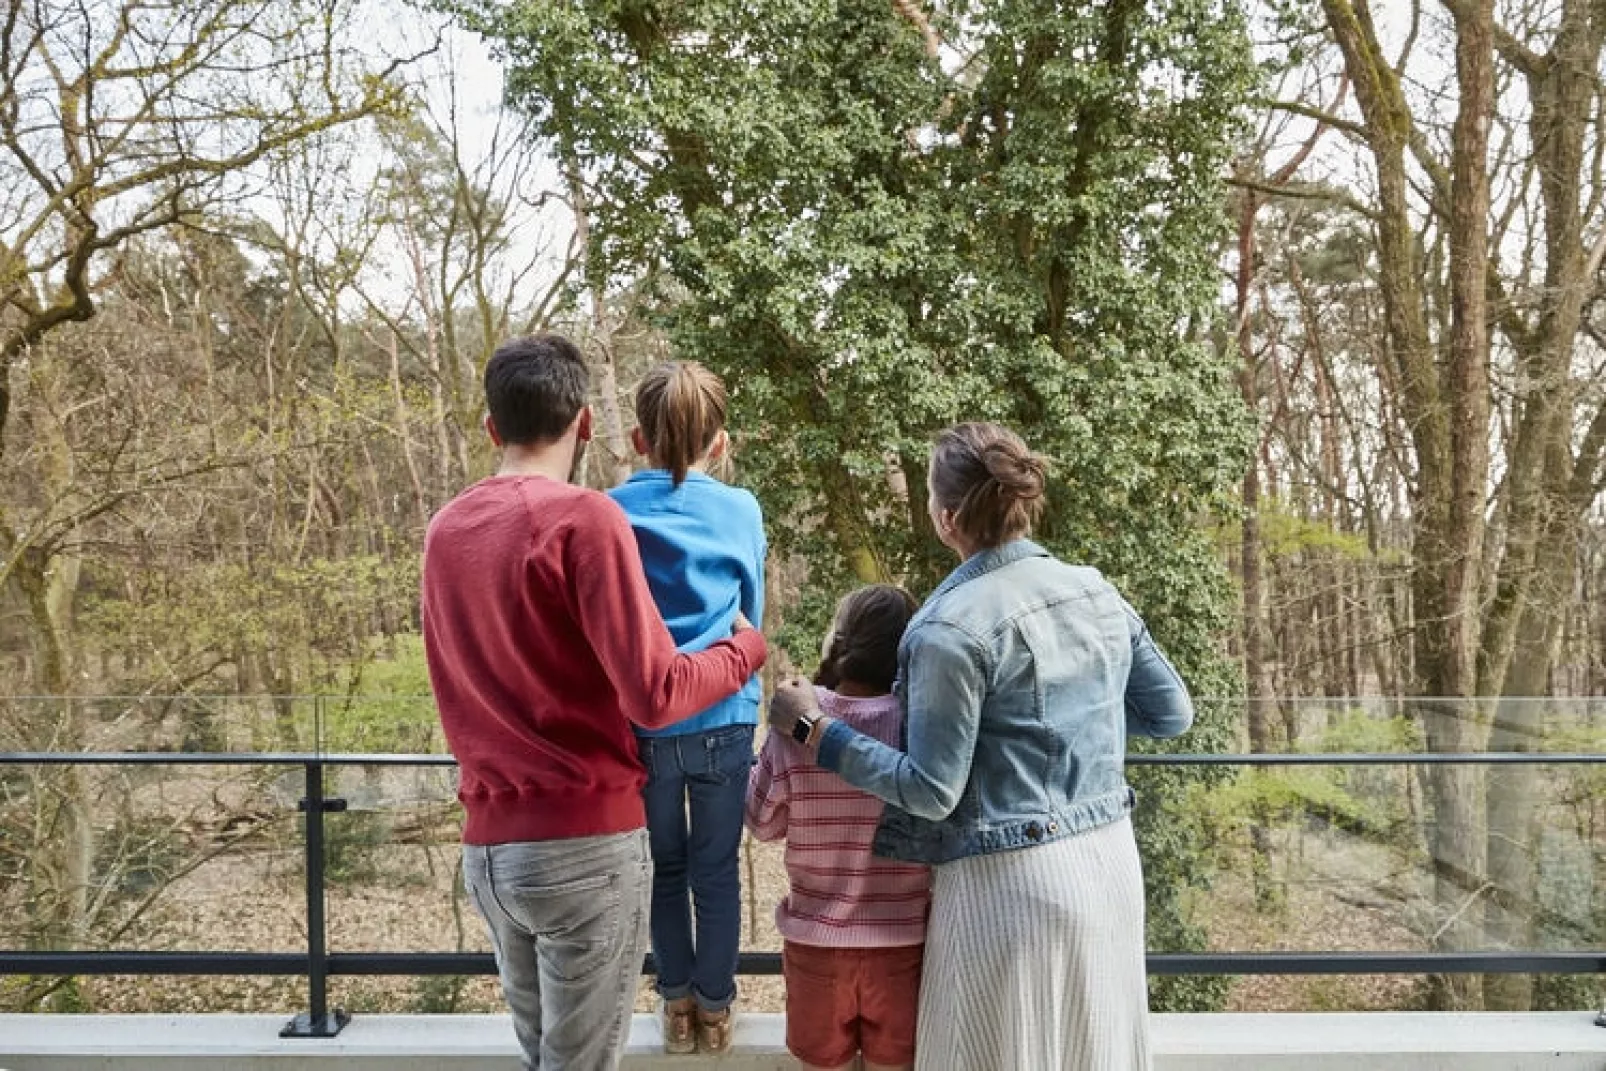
<point x="680" y="407"/>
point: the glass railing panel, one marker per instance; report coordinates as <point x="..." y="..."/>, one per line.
<point x="362" y="724"/>
<point x="1355" y="858"/>
<point x="763" y="885"/>
<point x="1401" y="725"/>
<point x="149" y="858"/>
<point x="393" y="871"/>
<point x="230" y="724"/>
<point x="1406" y="858"/>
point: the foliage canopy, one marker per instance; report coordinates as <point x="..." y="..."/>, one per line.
<point x="875" y="221"/>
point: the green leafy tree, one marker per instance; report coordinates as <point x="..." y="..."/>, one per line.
<point x="875" y="220"/>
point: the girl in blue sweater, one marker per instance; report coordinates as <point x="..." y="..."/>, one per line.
<point x="702" y="544"/>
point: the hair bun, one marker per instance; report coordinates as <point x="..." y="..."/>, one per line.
<point x="990" y="480"/>
<point x="1019" y="473"/>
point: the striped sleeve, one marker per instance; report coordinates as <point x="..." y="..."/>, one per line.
<point x="768" y="793"/>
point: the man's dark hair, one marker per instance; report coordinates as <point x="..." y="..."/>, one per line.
<point x="534" y="386"/>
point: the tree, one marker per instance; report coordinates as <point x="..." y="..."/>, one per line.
<point x="467" y="235"/>
<point x="874" y="220"/>
<point x="1476" y="254"/>
<point x="119" y="118"/>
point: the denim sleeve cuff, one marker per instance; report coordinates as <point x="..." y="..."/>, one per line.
<point x="836" y="738"/>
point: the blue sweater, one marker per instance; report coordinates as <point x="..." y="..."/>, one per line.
<point x="702" y="545"/>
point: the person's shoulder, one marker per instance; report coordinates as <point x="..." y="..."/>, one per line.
<point x="849" y="707"/>
<point x="742" y="495"/>
<point x="580" y="525"/>
<point x="1084" y="576"/>
<point x="704" y="485"/>
<point x="719" y="503"/>
<point x="637" y="487"/>
<point x="951" y="627"/>
<point x="1072" y="583"/>
<point x="557" y="509"/>
<point x="737" y="500"/>
<point x="545" y="500"/>
<point x="879" y="716"/>
<point x="583" y="506"/>
<point x="465" y="508"/>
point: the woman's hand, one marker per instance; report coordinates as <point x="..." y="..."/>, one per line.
<point x="793" y="698"/>
<point x="741" y="623"/>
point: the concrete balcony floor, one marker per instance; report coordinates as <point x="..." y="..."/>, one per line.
<point x="1377" y="1041"/>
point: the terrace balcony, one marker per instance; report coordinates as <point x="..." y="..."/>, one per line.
<point x="228" y="886"/>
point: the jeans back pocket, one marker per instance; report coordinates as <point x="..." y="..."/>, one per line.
<point x="728" y="752"/>
<point x="575" y="922"/>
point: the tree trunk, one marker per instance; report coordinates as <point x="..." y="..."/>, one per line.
<point x="1448" y="414"/>
<point x="1250" y="559"/>
<point x="613" y="439"/>
<point x="1456" y="844"/>
<point x="63" y="870"/>
<point x="404" y="433"/>
<point x="1550" y="491"/>
<point x="1513" y="793"/>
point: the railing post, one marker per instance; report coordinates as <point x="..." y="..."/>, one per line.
<point x="317" y="1021"/>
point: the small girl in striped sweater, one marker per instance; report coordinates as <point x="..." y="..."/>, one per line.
<point x="854" y="926"/>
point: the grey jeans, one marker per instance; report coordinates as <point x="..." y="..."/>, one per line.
<point x="568" y="920"/>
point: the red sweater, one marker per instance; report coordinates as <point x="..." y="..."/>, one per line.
<point x="544" y="646"/>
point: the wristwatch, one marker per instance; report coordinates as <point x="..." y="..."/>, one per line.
<point x="803" y="728"/>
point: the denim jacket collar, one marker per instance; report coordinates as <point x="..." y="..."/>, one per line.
<point x="985" y="561"/>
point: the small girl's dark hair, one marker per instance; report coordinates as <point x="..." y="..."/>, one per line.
<point x="990" y="479"/>
<point x="863" y="645"/>
<point x="680" y="406"/>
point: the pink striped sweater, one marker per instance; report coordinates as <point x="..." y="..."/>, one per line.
<point x="840" y="896"/>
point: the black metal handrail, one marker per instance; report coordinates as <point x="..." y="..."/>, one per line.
<point x="317" y="964"/>
<point x="364" y="758"/>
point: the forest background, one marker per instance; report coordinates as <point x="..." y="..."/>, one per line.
<point x="1303" y="300"/>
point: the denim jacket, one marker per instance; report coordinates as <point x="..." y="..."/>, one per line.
<point x="1020" y="679"/>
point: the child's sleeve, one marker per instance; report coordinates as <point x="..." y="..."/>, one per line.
<point x="753" y="569"/>
<point x="768" y="792"/>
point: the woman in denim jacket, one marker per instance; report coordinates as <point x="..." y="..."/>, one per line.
<point x="1021" y="678"/>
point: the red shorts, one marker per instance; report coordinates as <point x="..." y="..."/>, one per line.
<point x="840" y="1001"/>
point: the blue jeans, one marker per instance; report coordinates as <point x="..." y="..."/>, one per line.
<point x="568" y="921"/>
<point x="696" y="788"/>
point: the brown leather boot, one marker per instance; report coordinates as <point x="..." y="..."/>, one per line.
<point x="715" y="1030"/>
<point x="678" y="1018"/>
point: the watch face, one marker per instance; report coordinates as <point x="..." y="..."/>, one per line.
<point x="801" y="729"/>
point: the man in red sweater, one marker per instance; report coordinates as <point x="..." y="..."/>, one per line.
<point x="544" y="647"/>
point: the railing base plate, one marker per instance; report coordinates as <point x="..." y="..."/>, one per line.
<point x="305" y="1026"/>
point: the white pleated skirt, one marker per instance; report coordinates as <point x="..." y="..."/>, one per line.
<point x="1034" y="960"/>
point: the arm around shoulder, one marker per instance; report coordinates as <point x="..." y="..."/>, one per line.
<point x="946" y="685"/>
<point x="657" y="685"/>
